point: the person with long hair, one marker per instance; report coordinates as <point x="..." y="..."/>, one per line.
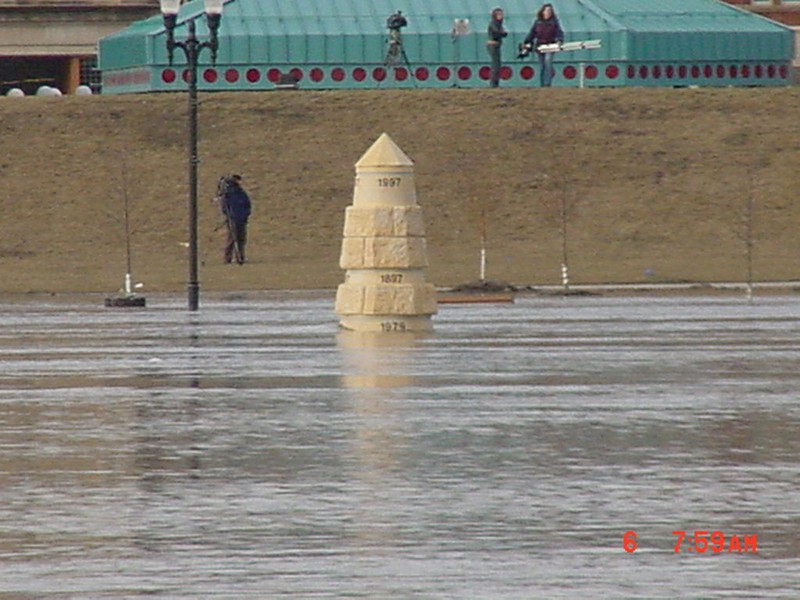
<point x="495" y="43"/>
<point x="545" y="30"/>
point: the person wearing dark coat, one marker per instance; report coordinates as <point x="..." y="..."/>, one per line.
<point x="495" y="43"/>
<point x="545" y="30"/>
<point x="236" y="207"/>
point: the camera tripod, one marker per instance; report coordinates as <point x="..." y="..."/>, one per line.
<point x="396" y="54"/>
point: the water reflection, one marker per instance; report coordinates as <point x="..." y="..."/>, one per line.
<point x="378" y="372"/>
<point x="377" y="360"/>
<point x="251" y="450"/>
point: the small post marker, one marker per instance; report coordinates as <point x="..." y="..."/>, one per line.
<point x="130" y="299"/>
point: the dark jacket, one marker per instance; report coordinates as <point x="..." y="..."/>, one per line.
<point x="545" y="32"/>
<point x="496" y="31"/>
<point x="236" y="203"/>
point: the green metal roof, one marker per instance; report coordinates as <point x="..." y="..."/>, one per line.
<point x="346" y="33"/>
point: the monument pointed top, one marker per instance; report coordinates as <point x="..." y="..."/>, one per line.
<point x="384" y="153"/>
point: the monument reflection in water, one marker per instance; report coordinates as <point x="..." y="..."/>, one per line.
<point x="252" y="450"/>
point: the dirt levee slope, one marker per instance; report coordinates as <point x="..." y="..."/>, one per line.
<point x="658" y="185"/>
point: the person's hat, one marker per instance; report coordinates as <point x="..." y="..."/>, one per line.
<point x="236" y="176"/>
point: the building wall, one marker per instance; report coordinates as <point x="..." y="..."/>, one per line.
<point x="54" y="42"/>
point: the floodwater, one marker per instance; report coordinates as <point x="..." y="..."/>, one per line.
<point x="252" y="450"/>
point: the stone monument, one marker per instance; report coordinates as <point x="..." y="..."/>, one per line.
<point x="384" y="250"/>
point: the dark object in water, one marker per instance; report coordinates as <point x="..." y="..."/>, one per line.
<point x="127" y="302"/>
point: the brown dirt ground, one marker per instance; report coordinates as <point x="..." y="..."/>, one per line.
<point x="656" y="180"/>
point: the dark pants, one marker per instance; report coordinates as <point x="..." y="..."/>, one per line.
<point x="494" y="55"/>
<point x="237" y="239"/>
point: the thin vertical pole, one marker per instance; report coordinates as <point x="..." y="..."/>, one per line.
<point x="192" y="51"/>
<point x="128" y="287"/>
<point x="749" y="241"/>
<point x="483" y="245"/>
<point x="564" y="263"/>
<point x="192" y="48"/>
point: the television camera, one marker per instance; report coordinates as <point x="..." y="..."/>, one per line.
<point x="396" y="21"/>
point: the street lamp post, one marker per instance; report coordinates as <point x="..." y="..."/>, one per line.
<point x="192" y="47"/>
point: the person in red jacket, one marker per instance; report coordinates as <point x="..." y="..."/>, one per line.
<point x="545" y="30"/>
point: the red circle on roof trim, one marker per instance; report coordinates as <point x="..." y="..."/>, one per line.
<point x="696" y="71"/>
<point x="485" y="73"/>
<point x="316" y="74"/>
<point x="442" y="73"/>
<point x="669" y="71"/>
<point x="612" y="71"/>
<point x="682" y="71"/>
<point x="273" y="75"/>
<point x="745" y="70"/>
<point x="210" y="75"/>
<point x="338" y="74"/>
<point x="252" y="75"/>
<point x="506" y="73"/>
<point x="168" y="76"/>
<point x="631" y="71"/>
<point x="570" y="72"/>
<point x="527" y="72"/>
<point x="656" y="72"/>
<point x="359" y="74"/>
<point x="401" y="74"/>
<point x="733" y="71"/>
<point x="464" y="73"/>
<point x="784" y="71"/>
<point x="759" y="70"/>
<point x="231" y="75"/>
<point x="590" y="72"/>
<point x="422" y="73"/>
<point x="185" y="75"/>
<point x="643" y="71"/>
<point x="708" y="71"/>
<point x="379" y="73"/>
<point x="296" y="73"/>
<point x="771" y="71"/>
<point x="720" y="71"/>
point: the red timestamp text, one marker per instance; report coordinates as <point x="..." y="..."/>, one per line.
<point x="700" y="542"/>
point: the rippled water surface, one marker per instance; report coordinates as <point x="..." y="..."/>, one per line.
<point x="252" y="450"/>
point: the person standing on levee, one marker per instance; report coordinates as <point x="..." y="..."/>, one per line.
<point x="546" y="29"/>
<point x="236" y="207"/>
<point x="494" y="44"/>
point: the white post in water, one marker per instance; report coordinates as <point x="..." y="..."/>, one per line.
<point x="384" y="250"/>
<point x="483" y="245"/>
<point x="564" y="261"/>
